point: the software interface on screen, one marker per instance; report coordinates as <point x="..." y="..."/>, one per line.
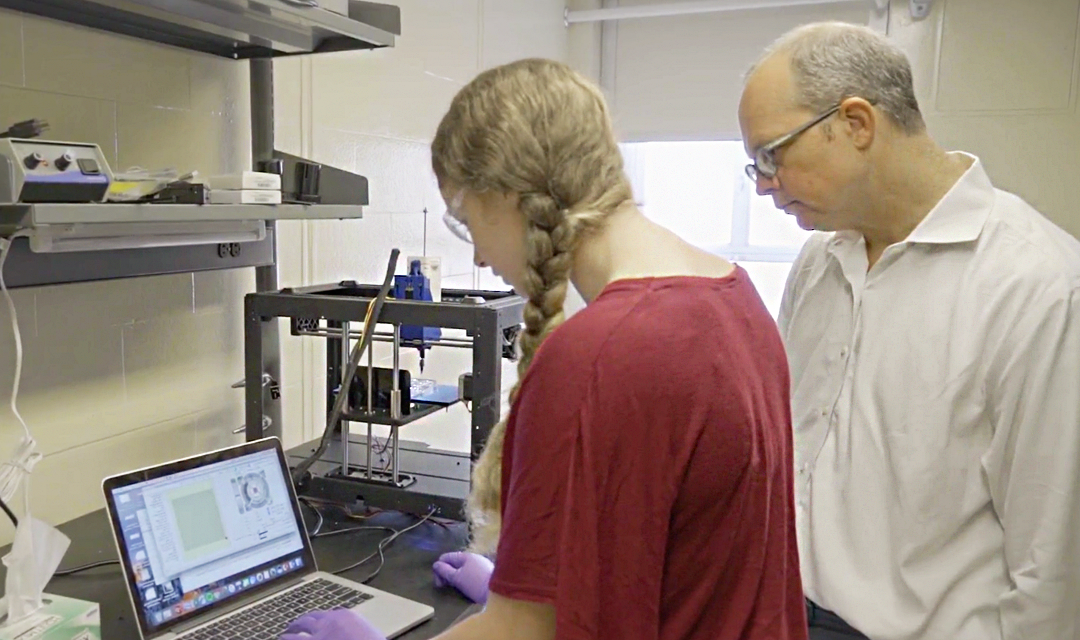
<point x="207" y="534"/>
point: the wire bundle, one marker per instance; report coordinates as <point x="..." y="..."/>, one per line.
<point x="385" y="542"/>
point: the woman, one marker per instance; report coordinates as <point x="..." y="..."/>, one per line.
<point x="641" y="487"/>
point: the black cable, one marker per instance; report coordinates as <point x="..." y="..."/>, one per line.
<point x="378" y="552"/>
<point x="316" y="534"/>
<point x="386" y="445"/>
<point x="350" y="370"/>
<point x="385" y="542"/>
<point x="10" y="514"/>
<point x="382" y="561"/>
<point x="79" y="569"/>
<point x="318" y="515"/>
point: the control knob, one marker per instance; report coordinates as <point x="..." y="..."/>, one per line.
<point x="33" y="160"/>
<point x="63" y="162"/>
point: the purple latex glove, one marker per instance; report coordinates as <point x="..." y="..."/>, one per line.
<point x="467" y="572"/>
<point x="339" y="624"/>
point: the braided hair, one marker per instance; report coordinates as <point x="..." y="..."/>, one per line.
<point x="537" y="129"/>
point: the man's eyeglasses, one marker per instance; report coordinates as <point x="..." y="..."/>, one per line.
<point x="764" y="164"/>
<point x="454" y="220"/>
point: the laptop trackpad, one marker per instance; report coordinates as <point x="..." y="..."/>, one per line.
<point x="392" y="615"/>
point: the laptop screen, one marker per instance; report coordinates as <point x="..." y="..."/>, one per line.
<point x="200" y="532"/>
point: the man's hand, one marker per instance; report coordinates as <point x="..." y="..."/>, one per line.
<point x="340" y="624"/>
<point x="467" y="572"/>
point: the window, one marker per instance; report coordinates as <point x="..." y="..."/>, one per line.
<point x="700" y="191"/>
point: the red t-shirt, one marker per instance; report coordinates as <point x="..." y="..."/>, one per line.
<point x="647" y="470"/>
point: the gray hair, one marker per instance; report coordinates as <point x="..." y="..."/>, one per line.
<point x="831" y="61"/>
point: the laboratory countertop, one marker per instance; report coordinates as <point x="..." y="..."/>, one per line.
<point x="407" y="569"/>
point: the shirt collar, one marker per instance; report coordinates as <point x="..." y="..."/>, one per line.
<point x="961" y="214"/>
<point x="958" y="217"/>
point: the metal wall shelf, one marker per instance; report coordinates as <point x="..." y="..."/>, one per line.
<point x="24" y="268"/>
<point x="238" y="29"/>
<point x="256" y="30"/>
<point x="32" y="215"/>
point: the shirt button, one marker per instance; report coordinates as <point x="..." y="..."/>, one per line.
<point x="824" y="413"/>
<point x="843" y="352"/>
<point x="803" y="469"/>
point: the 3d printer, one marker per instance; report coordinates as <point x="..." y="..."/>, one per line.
<point x="340" y="467"/>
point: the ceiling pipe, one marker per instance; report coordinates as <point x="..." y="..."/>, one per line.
<point x="688" y="8"/>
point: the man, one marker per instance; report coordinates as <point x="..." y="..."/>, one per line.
<point x="933" y="331"/>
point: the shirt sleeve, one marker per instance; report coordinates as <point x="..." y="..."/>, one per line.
<point x="536" y="468"/>
<point x="587" y="502"/>
<point x="1033" y="467"/>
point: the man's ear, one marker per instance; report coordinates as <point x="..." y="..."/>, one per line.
<point x="860" y="121"/>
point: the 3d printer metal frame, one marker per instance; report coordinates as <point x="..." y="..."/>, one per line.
<point x="333" y="311"/>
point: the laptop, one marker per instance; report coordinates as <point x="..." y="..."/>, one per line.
<point x="214" y="547"/>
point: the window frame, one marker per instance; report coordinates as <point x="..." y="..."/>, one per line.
<point x="739" y="248"/>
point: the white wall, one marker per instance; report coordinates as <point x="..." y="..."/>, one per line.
<point x="999" y="79"/>
<point x="128" y="373"/>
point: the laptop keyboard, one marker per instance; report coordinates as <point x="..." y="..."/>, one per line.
<point x="266" y="620"/>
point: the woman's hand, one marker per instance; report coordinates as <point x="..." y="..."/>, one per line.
<point x="469" y="573"/>
<point x="339" y="624"/>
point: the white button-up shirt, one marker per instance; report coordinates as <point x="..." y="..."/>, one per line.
<point x="936" y="403"/>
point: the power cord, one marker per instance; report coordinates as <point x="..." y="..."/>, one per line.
<point x="5" y="249"/>
<point x="341" y="532"/>
<point x="345" y="509"/>
<point x="316" y="534"/>
<point x="85" y="567"/>
<point x="10" y="514"/>
<point x="26" y="129"/>
<point x="318" y="515"/>
<point x="385" y="542"/>
<point x="26" y="455"/>
<point x="319" y="533"/>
